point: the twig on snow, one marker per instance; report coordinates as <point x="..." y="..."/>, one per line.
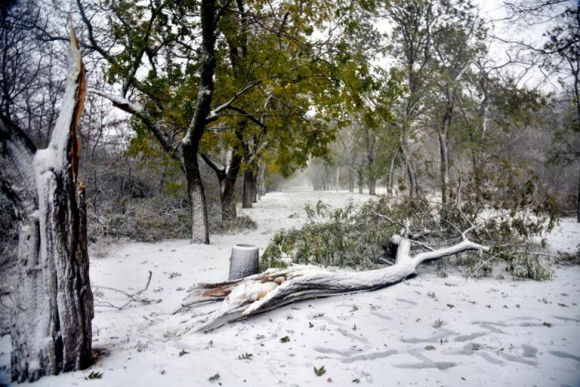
<point x="133" y="297"/>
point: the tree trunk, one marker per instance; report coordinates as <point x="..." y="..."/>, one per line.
<point x="247" y="190"/>
<point x="411" y="173"/>
<point x="444" y="167"/>
<point x="578" y="198"/>
<point x="255" y="188"/>
<point x="370" y="145"/>
<point x="262" y="183"/>
<point x="196" y="129"/>
<point x="196" y="196"/>
<point x="52" y="306"/>
<point x="228" y="193"/>
<point x="391" y="176"/>
<point x="372" y="186"/>
<point x="350" y="182"/>
<point x="360" y="181"/>
<point x="227" y="178"/>
<point x="480" y="141"/>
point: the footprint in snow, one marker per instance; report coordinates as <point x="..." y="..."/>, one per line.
<point x="407" y="301"/>
<point x="380" y="315"/>
<point x="471" y="336"/>
<point x="426" y="363"/>
<point x="490" y="326"/>
<point x="473" y="348"/>
<point x="565" y="355"/>
<point x="433" y="339"/>
<point x="567" y="319"/>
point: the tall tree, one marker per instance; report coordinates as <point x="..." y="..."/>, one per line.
<point x="263" y="51"/>
<point x="457" y="38"/>
<point x="411" y="44"/>
<point x="147" y="39"/>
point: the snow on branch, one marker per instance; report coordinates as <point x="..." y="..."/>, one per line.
<point x="274" y="288"/>
<point x="120" y="102"/>
<point x="137" y="110"/>
<point x="214" y="114"/>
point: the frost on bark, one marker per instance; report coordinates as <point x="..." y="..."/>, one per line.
<point x="244" y="261"/>
<point x="277" y="287"/>
<point x="53" y="304"/>
<point x="197" y="202"/>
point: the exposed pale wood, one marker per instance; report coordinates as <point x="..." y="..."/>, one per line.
<point x="274" y="288"/>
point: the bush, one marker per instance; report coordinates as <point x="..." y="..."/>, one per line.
<point x="241" y="223"/>
<point x="361" y="238"/>
<point x="342" y="237"/>
<point x="570" y="258"/>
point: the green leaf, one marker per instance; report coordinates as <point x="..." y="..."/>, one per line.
<point x="94" y="375"/>
<point x="319" y="371"/>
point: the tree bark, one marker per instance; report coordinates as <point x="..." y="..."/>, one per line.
<point x="247" y="189"/>
<point x="391" y="175"/>
<point x="52" y="306"/>
<point x="350" y="182"/>
<point x="411" y="173"/>
<point x="444" y="166"/>
<point x="372" y="186"/>
<point x="229" y="211"/>
<point x="480" y="140"/>
<point x="261" y="189"/>
<point x="227" y="178"/>
<point x="370" y="145"/>
<point x="196" y="196"/>
<point x="360" y="181"/>
<point x="255" y="188"/>
<point x="578" y="198"/>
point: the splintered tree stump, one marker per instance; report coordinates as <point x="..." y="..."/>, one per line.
<point x="244" y="261"/>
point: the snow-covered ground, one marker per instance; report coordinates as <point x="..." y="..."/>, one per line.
<point x="427" y="331"/>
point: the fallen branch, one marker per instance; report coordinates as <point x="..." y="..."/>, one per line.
<point x="133" y="297"/>
<point x="274" y="288"/>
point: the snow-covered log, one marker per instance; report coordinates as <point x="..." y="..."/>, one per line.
<point x="52" y="304"/>
<point x="244" y="261"/>
<point x="274" y="288"/>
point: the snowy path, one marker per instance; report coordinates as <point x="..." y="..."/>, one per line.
<point x="491" y="332"/>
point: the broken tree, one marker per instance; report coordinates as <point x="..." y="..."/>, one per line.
<point x="277" y="287"/>
<point x="52" y="304"/>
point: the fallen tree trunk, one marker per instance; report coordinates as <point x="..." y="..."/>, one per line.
<point x="274" y="288"/>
